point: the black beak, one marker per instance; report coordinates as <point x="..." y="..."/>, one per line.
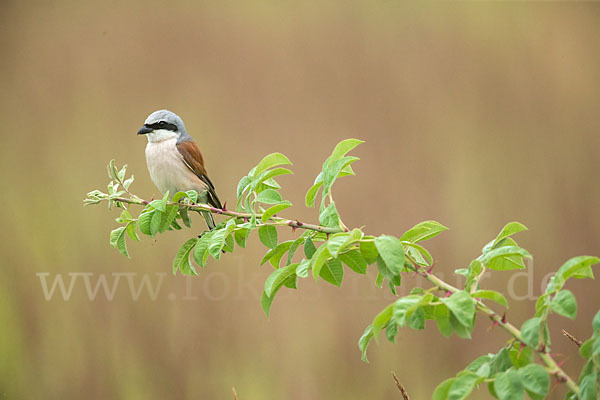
<point x="144" y="130"/>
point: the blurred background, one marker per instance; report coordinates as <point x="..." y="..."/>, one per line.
<point x="474" y="114"/>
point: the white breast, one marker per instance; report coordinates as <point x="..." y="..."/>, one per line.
<point x="167" y="168"/>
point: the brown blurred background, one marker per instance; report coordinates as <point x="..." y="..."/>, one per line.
<point x="474" y="114"/>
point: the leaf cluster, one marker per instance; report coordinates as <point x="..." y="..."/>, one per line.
<point x="328" y="250"/>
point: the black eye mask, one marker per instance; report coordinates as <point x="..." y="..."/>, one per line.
<point x="162" y="125"/>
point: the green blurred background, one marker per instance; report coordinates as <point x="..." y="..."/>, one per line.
<point x="474" y="114"/>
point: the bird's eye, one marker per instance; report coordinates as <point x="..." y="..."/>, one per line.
<point x="162" y="123"/>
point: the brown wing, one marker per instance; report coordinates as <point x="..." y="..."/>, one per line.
<point x="194" y="161"/>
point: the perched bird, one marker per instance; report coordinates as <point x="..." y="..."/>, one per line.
<point x="175" y="161"/>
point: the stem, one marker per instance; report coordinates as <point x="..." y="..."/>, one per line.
<point x="276" y="221"/>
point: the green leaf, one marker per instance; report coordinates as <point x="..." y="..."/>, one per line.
<point x="506" y="263"/>
<point x="355" y="261"/>
<point x="309" y="248"/>
<point x="379" y="279"/>
<point x="271" y="211"/>
<point x="423" y="231"/>
<point x="329" y="216"/>
<point x="535" y="379"/>
<point x="144" y="222"/>
<point x="333" y="272"/>
<point x="303" y="267"/>
<point x="241" y="236"/>
<point x="542" y="304"/>
<point x="364" y="340"/>
<point x="155" y="222"/>
<point x="277" y="278"/>
<point x="182" y="258"/>
<point x="112" y="170"/>
<point x="501" y="361"/>
<point x="229" y="244"/>
<point x="201" y="248"/>
<point x="160" y="204"/>
<point x="391" y="331"/>
<point x="441" y="315"/>
<point x="269" y="196"/>
<point x="480" y="366"/>
<point x="311" y="194"/>
<point x="586" y="348"/>
<point x="131" y="230"/>
<point x="218" y="239"/>
<point x="509" y="229"/>
<point x="369" y="250"/>
<point x="463" y="385"/>
<point x="267" y="177"/>
<point x="520" y="355"/>
<point x="336" y="243"/>
<point x="403" y="306"/>
<point x="576" y="267"/>
<point x="268" y="236"/>
<point x="192" y="195"/>
<point x="343" y="147"/>
<point x="441" y="391"/>
<point x="124" y="217"/>
<point x="564" y="304"/>
<point x="505" y="251"/>
<point x="394" y="279"/>
<point x="270" y="161"/>
<point x="266" y="303"/>
<point x="117" y="240"/>
<point x="596" y="323"/>
<point x="178" y="196"/>
<point x="121" y="173"/>
<point x="588" y="387"/>
<point x="462" y="306"/>
<point x="530" y="331"/>
<point x="381" y="320"/>
<point x="391" y="251"/>
<point x="297" y="243"/>
<point x="472" y="274"/>
<point x="241" y="187"/>
<point x="318" y="260"/>
<point x="462" y="331"/>
<point x="274" y="255"/>
<point x="331" y="171"/>
<point x="508" y="386"/>
<point x="491" y="295"/>
<point x="168" y="217"/>
<point x="418" y="253"/>
<point x="127" y="183"/>
<point x="185" y="218"/>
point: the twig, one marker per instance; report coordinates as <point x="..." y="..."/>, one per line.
<point x="400" y="387"/>
<point x="234" y="394"/>
<point x="572" y="338"/>
<point x="275" y="221"/>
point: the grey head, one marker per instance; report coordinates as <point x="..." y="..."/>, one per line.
<point x="165" y="122"/>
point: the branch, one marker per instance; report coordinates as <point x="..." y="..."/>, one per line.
<point x="274" y="221"/>
<point x="578" y="342"/>
<point x="400" y="387"/>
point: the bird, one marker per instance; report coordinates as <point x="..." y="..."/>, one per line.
<point x="174" y="160"/>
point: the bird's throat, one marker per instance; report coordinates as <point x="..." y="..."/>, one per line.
<point x="160" y="135"/>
